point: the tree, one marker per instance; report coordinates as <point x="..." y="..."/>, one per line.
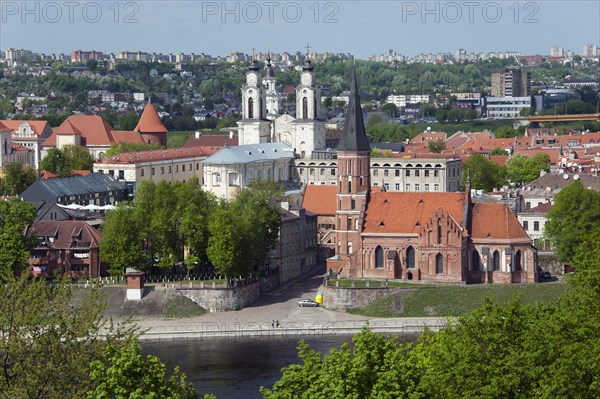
<point x="498" y="151"/>
<point x="15" y="245"/>
<point x="48" y="344"/>
<point x="122" y="241"/>
<point x="55" y="162"/>
<point x="126" y="374"/>
<point x="17" y="178"/>
<point x="128" y="121"/>
<point x="77" y="157"/>
<point x="437" y="146"/>
<point x="390" y="109"/>
<point x="575" y="215"/>
<point x="6" y="108"/>
<point x="484" y="174"/>
<point x="521" y="169"/>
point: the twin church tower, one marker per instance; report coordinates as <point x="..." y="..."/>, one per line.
<point x="262" y="121"/>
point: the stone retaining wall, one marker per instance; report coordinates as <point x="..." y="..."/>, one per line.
<point x="347" y="298"/>
<point x="223" y="299"/>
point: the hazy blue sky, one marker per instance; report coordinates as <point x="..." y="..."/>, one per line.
<point x="359" y="27"/>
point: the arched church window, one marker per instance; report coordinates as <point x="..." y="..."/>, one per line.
<point x="518" y="262"/>
<point x="410" y="258"/>
<point x="305" y="108"/>
<point x="250" y="108"/>
<point x="379" y="257"/>
<point x="439" y="264"/>
<point x="496" y="261"/>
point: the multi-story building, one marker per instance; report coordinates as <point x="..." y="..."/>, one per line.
<point x="506" y="107"/>
<point x="81" y="57"/>
<point x="29" y="134"/>
<point x="511" y="82"/>
<point x="400" y="100"/>
<point x="68" y="247"/>
<point x="170" y="165"/>
<point x="16" y="54"/>
<point x="390" y="174"/>
<point x="295" y="253"/>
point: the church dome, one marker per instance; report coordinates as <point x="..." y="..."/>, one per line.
<point x="253" y="66"/>
<point x="308" y="66"/>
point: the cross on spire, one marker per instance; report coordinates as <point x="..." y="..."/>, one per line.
<point x="253" y="53"/>
<point x="307" y="49"/>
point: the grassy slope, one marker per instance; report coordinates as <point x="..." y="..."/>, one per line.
<point x="455" y="300"/>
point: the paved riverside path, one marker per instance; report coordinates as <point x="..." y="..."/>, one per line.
<point x="281" y="305"/>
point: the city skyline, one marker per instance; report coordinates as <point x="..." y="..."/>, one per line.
<point x="357" y="27"/>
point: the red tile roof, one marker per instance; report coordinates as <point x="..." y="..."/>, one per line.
<point x="126" y="136"/>
<point x="320" y="199"/>
<point x="426" y="137"/>
<point x="160" y="155"/>
<point x="211" y="140"/>
<point x="66" y="232"/>
<point x="37" y="126"/>
<point x="540" y="209"/>
<point x="499" y="160"/>
<point x="94" y="131"/>
<point x="150" y="121"/>
<point x="495" y="221"/>
<point x="553" y="153"/>
<point x="394" y="212"/>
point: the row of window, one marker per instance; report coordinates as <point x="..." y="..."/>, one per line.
<point x="162" y="169"/>
<point x="536" y="225"/>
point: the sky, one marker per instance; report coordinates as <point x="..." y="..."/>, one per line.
<point x="359" y="27"/>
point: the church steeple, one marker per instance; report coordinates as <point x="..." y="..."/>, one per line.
<point x="354" y="137"/>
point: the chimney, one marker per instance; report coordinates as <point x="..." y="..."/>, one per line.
<point x="197" y="135"/>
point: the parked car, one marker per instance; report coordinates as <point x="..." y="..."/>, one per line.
<point x="308" y="302"/>
<point x="544" y="276"/>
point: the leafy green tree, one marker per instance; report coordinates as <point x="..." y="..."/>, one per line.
<point x="128" y="121"/>
<point x="390" y="109"/>
<point x="77" y="157"/>
<point x="226" y="246"/>
<point x="120" y="148"/>
<point x="575" y="215"/>
<point x="55" y="162"/>
<point x="15" y="245"/>
<point x="17" y="177"/>
<point x="6" y="108"/>
<point x="437" y="146"/>
<point x="484" y="174"/>
<point x="122" y="241"/>
<point x="47" y="343"/>
<point x="126" y="374"/>
<point x="499" y="151"/>
<point x="521" y="169"/>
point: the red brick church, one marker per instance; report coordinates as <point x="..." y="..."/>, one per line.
<point x="426" y="236"/>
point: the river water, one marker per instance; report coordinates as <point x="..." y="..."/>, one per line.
<point x="235" y="368"/>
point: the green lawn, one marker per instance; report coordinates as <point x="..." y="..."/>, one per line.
<point x="455" y="300"/>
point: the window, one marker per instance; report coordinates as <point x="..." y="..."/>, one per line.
<point x="436" y="187"/>
<point x="528" y="205"/>
<point x="417" y="173"/>
<point x="439" y="264"/>
<point x="410" y="258"/>
<point x="162" y="170"/>
<point x="122" y="174"/>
<point x="426" y="187"/>
<point x="216" y="178"/>
<point x="301" y="171"/>
<point x="397" y="172"/>
<point x="332" y="172"/>
<point x="407" y="187"/>
<point x="435" y="173"/>
<point x="305" y="108"/>
<point x="397" y="186"/>
<point x="386" y="173"/>
<point x="417" y="187"/>
<point x="349" y="224"/>
<point x="322" y="171"/>
<point x="176" y="168"/>
<point x="536" y="226"/>
<point x="476" y="264"/>
<point x="233" y="179"/>
<point x="387" y="186"/>
<point x="352" y="203"/>
<point x="152" y="171"/>
<point x="169" y="169"/>
<point x="141" y="172"/>
<point x="379" y="257"/>
<point x="197" y="165"/>
<point x="496" y="261"/>
<point x="439" y="233"/>
<point x="407" y="172"/>
<point x="517" y="262"/>
<point x="426" y="173"/>
<point x="250" y="108"/>
<point x="312" y="172"/>
<point x="375" y="172"/>
<point x="183" y="168"/>
<point x="525" y="224"/>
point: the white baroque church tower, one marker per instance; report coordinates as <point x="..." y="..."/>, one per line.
<point x="305" y="133"/>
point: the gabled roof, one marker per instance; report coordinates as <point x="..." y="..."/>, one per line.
<point x="126" y="136"/>
<point x="496" y="221"/>
<point x="38" y="127"/>
<point x="71" y="186"/>
<point x="150" y="121"/>
<point x="541" y="209"/>
<point x="320" y="199"/>
<point x="251" y="153"/>
<point x="406" y="212"/>
<point x="66" y="232"/>
<point x="354" y="137"/>
<point x="94" y="131"/>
